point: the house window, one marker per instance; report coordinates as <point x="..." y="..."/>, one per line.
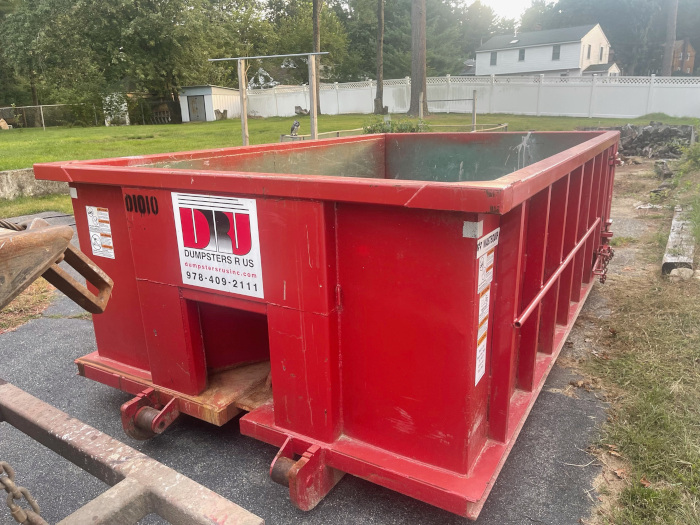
<point x="588" y="56"/>
<point x="521" y="55"/>
<point x="602" y="50"/>
<point x="556" y="51"/>
<point x="494" y="57"/>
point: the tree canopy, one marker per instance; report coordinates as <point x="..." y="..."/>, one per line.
<point x="62" y="51"/>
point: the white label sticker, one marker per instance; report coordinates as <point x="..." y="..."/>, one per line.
<point x="472" y="230"/>
<point x="73" y="192"/>
<point x="100" y="232"/>
<point x="485" y="269"/>
<point x="487" y="242"/>
<point x="218" y="242"/>
<point x="484" y="301"/>
<point x="480" y="361"/>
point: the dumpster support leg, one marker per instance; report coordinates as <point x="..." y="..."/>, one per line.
<point x="309" y="478"/>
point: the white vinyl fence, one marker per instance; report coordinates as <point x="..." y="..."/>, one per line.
<point x="623" y="97"/>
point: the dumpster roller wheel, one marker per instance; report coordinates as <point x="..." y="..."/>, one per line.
<point x="309" y="478"/>
<point x="146" y="415"/>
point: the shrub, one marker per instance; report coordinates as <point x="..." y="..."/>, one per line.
<point x="378" y="125"/>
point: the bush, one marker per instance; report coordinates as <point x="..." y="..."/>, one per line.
<point x="378" y="125"/>
<point x="692" y="157"/>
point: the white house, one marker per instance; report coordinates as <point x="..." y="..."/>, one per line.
<point x="569" y="51"/>
<point x="209" y="103"/>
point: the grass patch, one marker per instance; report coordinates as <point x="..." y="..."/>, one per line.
<point x="29" y="205"/>
<point x="622" y="241"/>
<point x="653" y="363"/>
<point x="26" y="306"/>
<point x="21" y="148"/>
<point x="651" y="369"/>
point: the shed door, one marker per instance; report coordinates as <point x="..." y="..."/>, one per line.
<point x="196" y="106"/>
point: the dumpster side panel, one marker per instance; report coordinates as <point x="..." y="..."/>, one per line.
<point x="298" y="253"/>
<point x="149" y="215"/>
<point x="407" y="332"/>
<point x="119" y="330"/>
<point x="174" y="338"/>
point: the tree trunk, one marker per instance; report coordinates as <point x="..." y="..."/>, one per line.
<point x="418" y="68"/>
<point x="379" y="99"/>
<point x="667" y="66"/>
<point x="32" y="86"/>
<point x="317" y="6"/>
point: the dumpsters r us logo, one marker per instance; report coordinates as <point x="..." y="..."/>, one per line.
<point x="218" y="243"/>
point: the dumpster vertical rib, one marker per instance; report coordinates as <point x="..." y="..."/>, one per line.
<point x="572" y="214"/>
<point x="504" y="344"/>
<point x="555" y="247"/>
<point x="594" y="240"/>
<point x="586" y="190"/>
<point x="612" y="154"/>
<point x="603" y="189"/>
<point x="536" y="246"/>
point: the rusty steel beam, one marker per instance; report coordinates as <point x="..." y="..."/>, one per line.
<point x="29" y="252"/>
<point x="26" y="254"/>
<point x="140" y="485"/>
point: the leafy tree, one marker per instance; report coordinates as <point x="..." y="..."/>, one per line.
<point x="295" y="35"/>
<point x="479" y="23"/>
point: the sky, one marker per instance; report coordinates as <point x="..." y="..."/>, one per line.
<point x="507" y="8"/>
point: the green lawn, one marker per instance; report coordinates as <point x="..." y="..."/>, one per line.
<point x="20" y="148"/>
<point x="31" y="205"/>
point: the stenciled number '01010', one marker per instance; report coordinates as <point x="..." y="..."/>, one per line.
<point x="142" y="204"/>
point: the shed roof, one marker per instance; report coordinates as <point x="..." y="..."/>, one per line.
<point x="537" y="38"/>
<point x="599" y="68"/>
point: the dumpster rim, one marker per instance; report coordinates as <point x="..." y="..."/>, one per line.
<point x="497" y="196"/>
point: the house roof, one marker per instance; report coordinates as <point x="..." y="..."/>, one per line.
<point x="208" y="86"/>
<point x="537" y="38"/>
<point x="599" y="68"/>
<point x="678" y="46"/>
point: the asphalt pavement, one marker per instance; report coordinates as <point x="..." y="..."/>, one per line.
<point x="543" y="480"/>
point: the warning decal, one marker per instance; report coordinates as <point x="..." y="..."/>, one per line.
<point x="480" y="361"/>
<point x="485" y="255"/>
<point x="486" y="269"/>
<point x="219" y="243"/>
<point x="484" y="302"/>
<point x="487" y="242"/>
<point x="100" y="232"/>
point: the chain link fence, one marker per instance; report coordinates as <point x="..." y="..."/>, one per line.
<point x="51" y="115"/>
<point x="142" y="109"/>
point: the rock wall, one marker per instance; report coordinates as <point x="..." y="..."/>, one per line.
<point x="21" y="183"/>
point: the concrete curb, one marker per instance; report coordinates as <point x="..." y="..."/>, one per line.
<point x="21" y="183"/>
<point x="681" y="244"/>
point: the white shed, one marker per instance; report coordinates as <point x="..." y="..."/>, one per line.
<point x="209" y="103"/>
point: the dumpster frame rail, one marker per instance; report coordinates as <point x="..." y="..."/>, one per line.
<point x="139" y="485"/>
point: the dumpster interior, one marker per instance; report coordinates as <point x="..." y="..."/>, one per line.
<point x="434" y="157"/>
<point x="232" y="337"/>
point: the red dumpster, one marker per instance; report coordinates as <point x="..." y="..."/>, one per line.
<point x="387" y="306"/>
